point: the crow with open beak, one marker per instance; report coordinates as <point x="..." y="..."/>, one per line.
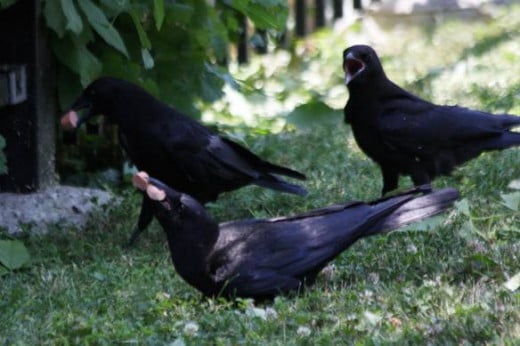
<point x="406" y="135"/>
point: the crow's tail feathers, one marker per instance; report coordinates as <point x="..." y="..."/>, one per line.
<point x="275" y="183"/>
<point x="275" y="169"/>
<point x="507" y="140"/>
<point x="419" y="208"/>
<point x="508" y="121"/>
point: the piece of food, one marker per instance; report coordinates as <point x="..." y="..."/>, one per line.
<point x="140" y="180"/>
<point x="155" y="193"/>
<point x="70" y="120"/>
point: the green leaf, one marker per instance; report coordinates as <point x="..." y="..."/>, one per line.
<point x="158" y="13"/>
<point x="265" y="14"/>
<point x="3" y="270"/>
<point x="147" y="59"/>
<point x="115" y="6"/>
<point x="78" y="58"/>
<point x="74" y="22"/>
<point x="463" y="207"/>
<point x="69" y="87"/>
<point x="513" y="283"/>
<point x="102" y="26"/>
<point x="180" y="14"/>
<point x="313" y="113"/>
<point x="511" y="200"/>
<point x="143" y="37"/>
<point x="54" y="17"/>
<point x="222" y="74"/>
<point x="13" y="254"/>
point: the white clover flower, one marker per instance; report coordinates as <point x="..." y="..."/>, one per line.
<point x="411" y="248"/>
<point x="303" y="331"/>
<point x="271" y="313"/>
<point x="373" y="278"/>
<point x="191" y="328"/>
<point x="367" y="294"/>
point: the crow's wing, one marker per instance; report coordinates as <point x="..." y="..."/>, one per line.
<point x="201" y="151"/>
<point x="419" y="127"/>
<point x="264" y="257"/>
<point x="201" y="154"/>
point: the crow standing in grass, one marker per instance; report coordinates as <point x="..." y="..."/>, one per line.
<point x="261" y="258"/>
<point x="410" y="136"/>
<point x="174" y="148"/>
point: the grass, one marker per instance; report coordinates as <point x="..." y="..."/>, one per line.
<point x="440" y="286"/>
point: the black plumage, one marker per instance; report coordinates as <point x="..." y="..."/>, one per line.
<point x="175" y="148"/>
<point x="261" y="258"/>
<point x="407" y="135"/>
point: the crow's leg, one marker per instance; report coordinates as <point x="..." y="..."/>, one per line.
<point x="145" y="218"/>
<point x="421" y="179"/>
<point x="390" y="180"/>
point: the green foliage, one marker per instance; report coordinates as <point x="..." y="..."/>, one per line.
<point x="511" y="200"/>
<point x="3" y="159"/>
<point x="169" y="48"/>
<point x="13" y="255"/>
<point x="313" y="113"/>
<point x="440" y="286"/>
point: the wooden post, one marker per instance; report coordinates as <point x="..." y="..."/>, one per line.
<point x="262" y="34"/>
<point x="29" y="126"/>
<point x="301" y="18"/>
<point x="320" y="14"/>
<point x="243" y="53"/>
<point x="337" y="7"/>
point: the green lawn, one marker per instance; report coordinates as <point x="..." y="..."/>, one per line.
<point x="442" y="284"/>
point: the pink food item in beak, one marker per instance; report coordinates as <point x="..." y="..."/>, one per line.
<point x="70" y="120"/>
<point x="140" y="180"/>
<point x="155" y="193"/>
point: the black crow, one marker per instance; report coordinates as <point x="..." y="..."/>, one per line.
<point x="173" y="147"/>
<point x="408" y="135"/>
<point x="261" y="258"/>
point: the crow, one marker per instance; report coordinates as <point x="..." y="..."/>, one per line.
<point x="261" y="258"/>
<point x="406" y="135"/>
<point x="173" y="147"/>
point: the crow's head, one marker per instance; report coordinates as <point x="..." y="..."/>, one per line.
<point x="361" y="64"/>
<point x="175" y="211"/>
<point x="100" y="97"/>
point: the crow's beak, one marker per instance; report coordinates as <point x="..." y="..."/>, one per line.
<point x="352" y="67"/>
<point x="171" y="194"/>
<point x="83" y="103"/>
<point x="71" y="120"/>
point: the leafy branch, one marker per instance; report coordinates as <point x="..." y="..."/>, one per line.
<point x="169" y="48"/>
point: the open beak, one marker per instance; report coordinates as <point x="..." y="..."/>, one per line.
<point x="352" y="67"/>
